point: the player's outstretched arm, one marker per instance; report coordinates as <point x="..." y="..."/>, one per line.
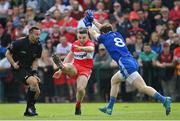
<point x="97" y="24"/>
<point x="93" y="33"/>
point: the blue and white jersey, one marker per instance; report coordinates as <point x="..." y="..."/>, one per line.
<point x="115" y="45"/>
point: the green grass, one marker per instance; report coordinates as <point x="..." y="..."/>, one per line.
<point x="65" y="111"/>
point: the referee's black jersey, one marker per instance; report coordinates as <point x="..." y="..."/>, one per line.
<point x="25" y="52"/>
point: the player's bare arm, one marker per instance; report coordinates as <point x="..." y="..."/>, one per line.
<point x="97" y="24"/>
<point x="93" y="32"/>
<point x="85" y="48"/>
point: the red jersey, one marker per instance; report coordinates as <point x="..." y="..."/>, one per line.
<point x="85" y="59"/>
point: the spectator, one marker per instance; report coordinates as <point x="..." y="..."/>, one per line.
<point x="10" y="29"/>
<point x="76" y="4"/>
<point x="31" y="16"/>
<point x="49" y="46"/>
<point x="88" y="4"/>
<point x="48" y="22"/>
<point x="63" y="48"/>
<point x="68" y="26"/>
<point x="165" y="14"/>
<point x="134" y="18"/>
<point x="58" y="6"/>
<point x="117" y="13"/>
<point x="46" y="70"/>
<point x="100" y="14"/>
<point x="76" y="12"/>
<point x="135" y="6"/>
<point x="147" y="60"/>
<point x="166" y="71"/>
<point x="55" y="34"/>
<point x="145" y="8"/>
<point x="15" y="16"/>
<point x="155" y="43"/>
<point x="173" y="40"/>
<point x="102" y="61"/>
<point x="138" y="45"/>
<point x="171" y="36"/>
<point x="144" y="23"/>
<point x="154" y="12"/>
<point x="175" y="12"/>
<point x="161" y="30"/>
<point x="177" y="64"/>
<point x="125" y="25"/>
<point x="5" y="38"/>
<point x="57" y="15"/>
<point x="4" y="6"/>
<point x="34" y="4"/>
<point x="171" y="25"/>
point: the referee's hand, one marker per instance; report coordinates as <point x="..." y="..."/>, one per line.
<point x="15" y="65"/>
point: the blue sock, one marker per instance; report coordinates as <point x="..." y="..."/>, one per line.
<point x="111" y="102"/>
<point x="159" y="97"/>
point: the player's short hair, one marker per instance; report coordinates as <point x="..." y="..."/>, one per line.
<point x="33" y="28"/>
<point x="107" y="27"/>
<point x="82" y="31"/>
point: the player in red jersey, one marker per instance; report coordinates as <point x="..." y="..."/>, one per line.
<point x="82" y="56"/>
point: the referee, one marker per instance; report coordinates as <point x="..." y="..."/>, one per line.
<point x="23" y="54"/>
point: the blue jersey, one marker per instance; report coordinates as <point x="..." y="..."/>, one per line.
<point x="115" y="45"/>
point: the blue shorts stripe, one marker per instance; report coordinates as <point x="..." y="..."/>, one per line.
<point x="127" y="66"/>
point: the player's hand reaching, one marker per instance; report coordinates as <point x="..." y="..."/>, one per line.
<point x="89" y="18"/>
<point x="90" y="15"/>
<point x="87" y="22"/>
<point x="57" y="74"/>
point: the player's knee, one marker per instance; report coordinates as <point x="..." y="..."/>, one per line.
<point x="80" y="89"/>
<point x="34" y="83"/>
<point x="114" y="81"/>
<point x="142" y="88"/>
<point x="38" y="91"/>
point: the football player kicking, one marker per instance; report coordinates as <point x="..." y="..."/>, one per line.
<point x="82" y="56"/>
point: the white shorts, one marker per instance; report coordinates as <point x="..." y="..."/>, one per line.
<point x="130" y="78"/>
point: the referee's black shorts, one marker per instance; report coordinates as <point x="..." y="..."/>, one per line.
<point x="22" y="75"/>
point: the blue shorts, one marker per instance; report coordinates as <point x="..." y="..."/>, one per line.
<point x="127" y="65"/>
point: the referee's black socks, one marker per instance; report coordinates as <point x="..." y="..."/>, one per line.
<point x="30" y="98"/>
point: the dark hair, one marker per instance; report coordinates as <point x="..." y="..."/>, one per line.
<point x="82" y="31"/>
<point x="146" y="44"/>
<point x="33" y="28"/>
<point x="106" y="28"/>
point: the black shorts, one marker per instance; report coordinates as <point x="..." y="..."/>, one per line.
<point x="23" y="74"/>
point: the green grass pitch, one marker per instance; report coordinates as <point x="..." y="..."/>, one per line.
<point x="65" y="111"/>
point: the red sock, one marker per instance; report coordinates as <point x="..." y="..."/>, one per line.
<point x="78" y="104"/>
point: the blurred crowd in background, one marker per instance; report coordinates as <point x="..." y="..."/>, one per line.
<point x="151" y="29"/>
